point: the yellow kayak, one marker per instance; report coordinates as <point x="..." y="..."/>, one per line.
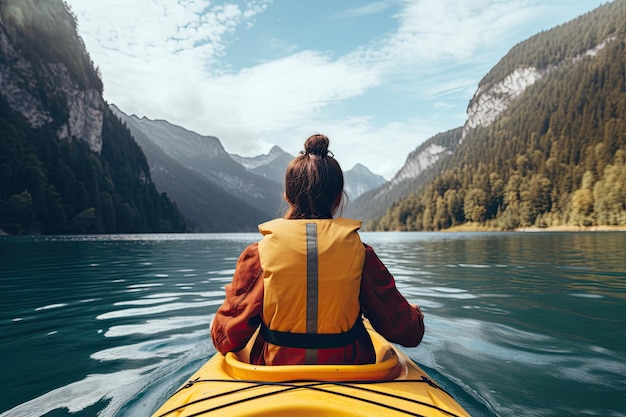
<point x="227" y="385"/>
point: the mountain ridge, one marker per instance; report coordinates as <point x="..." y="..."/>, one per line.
<point x="222" y="172"/>
<point x="217" y="189"/>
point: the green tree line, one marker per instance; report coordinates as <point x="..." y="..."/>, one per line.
<point x="52" y="186"/>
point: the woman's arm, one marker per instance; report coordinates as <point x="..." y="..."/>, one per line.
<point x="240" y="314"/>
<point x="388" y="311"/>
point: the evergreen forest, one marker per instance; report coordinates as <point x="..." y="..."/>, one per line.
<point x="556" y="157"/>
<point x="52" y="186"/>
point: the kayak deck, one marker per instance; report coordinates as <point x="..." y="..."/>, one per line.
<point x="393" y="386"/>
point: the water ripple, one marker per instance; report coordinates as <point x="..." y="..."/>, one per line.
<point x="133" y="312"/>
<point x="51" y="306"/>
<point x="79" y="395"/>
<point x="157" y="326"/>
<point x="150" y="349"/>
<point x="146" y="301"/>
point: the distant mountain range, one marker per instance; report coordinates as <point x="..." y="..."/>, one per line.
<point x="215" y="193"/>
<point x="357" y="180"/>
<point x="271" y="166"/>
<point x="215" y="190"/>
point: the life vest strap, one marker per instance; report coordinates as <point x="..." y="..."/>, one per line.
<point x="313" y="340"/>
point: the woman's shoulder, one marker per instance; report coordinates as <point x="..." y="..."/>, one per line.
<point x="371" y="258"/>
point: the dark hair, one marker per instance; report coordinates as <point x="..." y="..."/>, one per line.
<point x="313" y="182"/>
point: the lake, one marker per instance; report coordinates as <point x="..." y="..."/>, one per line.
<point x="517" y="324"/>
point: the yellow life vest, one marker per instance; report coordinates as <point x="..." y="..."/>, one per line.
<point x="312" y="276"/>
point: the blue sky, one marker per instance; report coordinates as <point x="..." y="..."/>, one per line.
<point x="378" y="77"/>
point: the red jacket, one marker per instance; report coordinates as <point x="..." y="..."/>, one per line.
<point x="387" y="310"/>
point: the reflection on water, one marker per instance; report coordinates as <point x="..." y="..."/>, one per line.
<point x="517" y="324"/>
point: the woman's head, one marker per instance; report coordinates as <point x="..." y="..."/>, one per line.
<point x="313" y="182"/>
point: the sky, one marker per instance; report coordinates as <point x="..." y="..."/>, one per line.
<point x="377" y="77"/>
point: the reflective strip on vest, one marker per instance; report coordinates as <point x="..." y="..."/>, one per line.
<point x="311" y="278"/>
<point x="311" y="287"/>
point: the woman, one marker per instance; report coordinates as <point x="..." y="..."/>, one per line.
<point x="310" y="279"/>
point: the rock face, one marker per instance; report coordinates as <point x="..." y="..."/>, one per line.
<point x="17" y="82"/>
<point x="373" y="203"/>
<point x="78" y="106"/>
<point x="487" y="105"/>
<point x="85" y="111"/>
<point x="489" y="102"/>
<point x="419" y="161"/>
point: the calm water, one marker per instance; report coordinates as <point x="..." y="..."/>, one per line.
<point x="518" y="324"/>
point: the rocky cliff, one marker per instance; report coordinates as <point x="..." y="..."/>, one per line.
<point x="419" y="161"/>
<point x="30" y="83"/>
<point x="67" y="165"/>
<point x="491" y="100"/>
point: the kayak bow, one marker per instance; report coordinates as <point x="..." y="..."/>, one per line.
<point x="393" y="386"/>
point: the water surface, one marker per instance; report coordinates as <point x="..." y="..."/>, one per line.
<point x="530" y="324"/>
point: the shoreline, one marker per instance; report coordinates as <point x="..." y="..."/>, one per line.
<point x="573" y="229"/>
<point x="469" y="227"/>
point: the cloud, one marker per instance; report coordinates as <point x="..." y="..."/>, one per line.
<point x="238" y="108"/>
<point x="162" y="27"/>
<point x="433" y="31"/>
<point x="359" y="140"/>
<point x="291" y="88"/>
<point x="368" y="9"/>
<point x="284" y="92"/>
<point x="166" y="59"/>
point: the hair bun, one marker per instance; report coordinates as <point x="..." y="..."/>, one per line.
<point x="316" y="145"/>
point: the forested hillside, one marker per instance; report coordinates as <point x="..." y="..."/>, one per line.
<point x="52" y="186"/>
<point x="556" y="156"/>
<point x="419" y="168"/>
<point x="67" y="164"/>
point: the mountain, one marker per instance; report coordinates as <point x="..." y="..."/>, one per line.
<point x="360" y="180"/>
<point x="215" y="192"/>
<point x="206" y="206"/>
<point x="545" y="139"/>
<point x="415" y="172"/>
<point x="67" y="165"/>
<point x="218" y="191"/>
<point x="271" y="166"/>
